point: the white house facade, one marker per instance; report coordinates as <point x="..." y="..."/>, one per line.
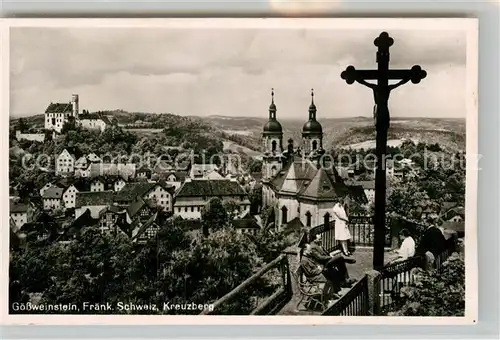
<point x="69" y="196"/>
<point x="193" y="195"/>
<point x="65" y="163"/>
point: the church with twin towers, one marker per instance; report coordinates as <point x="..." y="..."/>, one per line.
<point x="300" y="181"/>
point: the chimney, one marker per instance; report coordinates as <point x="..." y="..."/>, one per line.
<point x="74" y="102"/>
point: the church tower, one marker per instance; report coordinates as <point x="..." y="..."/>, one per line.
<point x="312" y="132"/>
<point x="272" y="139"/>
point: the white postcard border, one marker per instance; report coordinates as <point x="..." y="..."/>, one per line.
<point x="470" y="26"/>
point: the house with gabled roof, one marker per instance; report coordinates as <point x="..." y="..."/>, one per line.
<point x="143" y="231"/>
<point x="144" y="172"/>
<point x="175" y="178"/>
<point x="52" y="198"/>
<point x="81" y="163"/>
<point x="21" y="212"/>
<point x="93" y="158"/>
<point x="140" y="209"/>
<point x="125" y="170"/>
<point x="43" y="226"/>
<point x="105" y="183"/>
<point x="84" y="220"/>
<point x="368" y="187"/>
<point x="94" y="201"/>
<point x="202" y="170"/>
<point x="69" y="196"/>
<point x="246" y="225"/>
<point x="452" y="212"/>
<point x="57" y="114"/>
<point x="193" y="195"/>
<point x="65" y="163"/>
<point x="159" y="193"/>
<point x="112" y="216"/>
<point x="94" y="121"/>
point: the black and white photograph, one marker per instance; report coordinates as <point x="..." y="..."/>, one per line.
<point x="281" y="168"/>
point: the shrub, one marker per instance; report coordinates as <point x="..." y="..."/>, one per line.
<point x="436" y="293"/>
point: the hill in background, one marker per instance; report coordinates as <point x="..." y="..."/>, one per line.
<point x="344" y="132"/>
<point x="246" y="131"/>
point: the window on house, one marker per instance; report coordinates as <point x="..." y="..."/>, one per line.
<point x="284" y="212"/>
<point x="308" y="219"/>
<point x="314" y="145"/>
<point x="192" y="209"/>
<point x="326" y="219"/>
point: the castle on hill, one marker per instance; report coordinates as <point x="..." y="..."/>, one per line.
<point x="299" y="182"/>
<point x="57" y="114"/>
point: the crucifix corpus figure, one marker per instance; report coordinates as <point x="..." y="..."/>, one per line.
<point x="381" y="92"/>
<point x="381" y="97"/>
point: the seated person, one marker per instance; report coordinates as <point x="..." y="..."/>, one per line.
<point x="316" y="260"/>
<point x="407" y="248"/>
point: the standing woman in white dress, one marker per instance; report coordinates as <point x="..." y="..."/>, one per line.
<point x="342" y="233"/>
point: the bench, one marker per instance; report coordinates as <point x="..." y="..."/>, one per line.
<point x="310" y="289"/>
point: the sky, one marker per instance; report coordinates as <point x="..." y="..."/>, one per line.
<point x="230" y="72"/>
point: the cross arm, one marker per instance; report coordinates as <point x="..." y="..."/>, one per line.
<point x="415" y="74"/>
<point x="391" y="74"/>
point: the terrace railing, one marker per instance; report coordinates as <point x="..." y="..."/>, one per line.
<point x="353" y="303"/>
<point x="361" y="228"/>
<point x="395" y="276"/>
<point x="250" y="299"/>
<point x="387" y="286"/>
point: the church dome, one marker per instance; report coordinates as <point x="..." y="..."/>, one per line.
<point x="273" y="126"/>
<point x="312" y="127"/>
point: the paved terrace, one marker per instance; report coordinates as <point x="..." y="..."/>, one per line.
<point x="364" y="263"/>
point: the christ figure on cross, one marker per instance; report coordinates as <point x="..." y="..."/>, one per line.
<point x="381" y="96"/>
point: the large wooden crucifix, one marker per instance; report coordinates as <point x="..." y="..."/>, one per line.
<point x="381" y="92"/>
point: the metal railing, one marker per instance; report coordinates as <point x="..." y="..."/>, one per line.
<point x="353" y="303"/>
<point x="398" y="275"/>
<point x="249" y="298"/>
<point x="361" y="229"/>
<point x="393" y="278"/>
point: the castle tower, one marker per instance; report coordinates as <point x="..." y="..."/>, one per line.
<point x="312" y="132"/>
<point x="272" y="139"/>
<point x="74" y="103"/>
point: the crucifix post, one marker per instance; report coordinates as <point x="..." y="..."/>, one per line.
<point x="381" y="91"/>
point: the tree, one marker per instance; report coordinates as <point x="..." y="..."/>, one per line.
<point x="270" y="244"/>
<point x="210" y="268"/>
<point x="213" y="216"/>
<point x="48" y="135"/>
<point x="254" y="165"/>
<point x="232" y="209"/>
<point x="267" y="216"/>
<point x="22" y="125"/>
<point x="94" y="269"/>
<point x="69" y="125"/>
<point x="436" y="293"/>
<point x="407" y="201"/>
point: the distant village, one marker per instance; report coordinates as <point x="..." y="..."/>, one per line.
<point x="123" y="198"/>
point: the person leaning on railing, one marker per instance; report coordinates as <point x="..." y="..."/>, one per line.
<point x="407" y="248"/>
<point x="432" y="240"/>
